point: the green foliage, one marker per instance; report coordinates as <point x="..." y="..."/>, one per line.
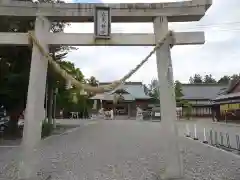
<point x="196" y="79"/>
<point x="224" y="80"/>
<point x="15" y="67"/>
<point x="208" y="79"/>
<point x="93" y="82"/>
<point x="178" y="90"/>
<point x="187" y="109"/>
<point x="153" y="89"/>
<point x="72" y="99"/>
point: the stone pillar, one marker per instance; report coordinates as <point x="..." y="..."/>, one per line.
<point x="167" y="102"/>
<point x="35" y="104"/>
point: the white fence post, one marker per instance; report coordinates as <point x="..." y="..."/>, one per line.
<point x="195" y="132"/>
<point x="205" y="136"/>
<point x="188" y="134"/>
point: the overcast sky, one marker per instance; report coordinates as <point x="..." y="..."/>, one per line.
<point x="220" y="54"/>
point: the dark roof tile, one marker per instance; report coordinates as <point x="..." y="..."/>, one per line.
<point x="202" y="91"/>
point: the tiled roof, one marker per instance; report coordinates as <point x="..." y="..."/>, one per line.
<point x="202" y="91"/>
<point x="227" y="96"/>
<point x="110" y="97"/>
<point x="190" y="91"/>
<point x="232" y="85"/>
<point x="135" y="90"/>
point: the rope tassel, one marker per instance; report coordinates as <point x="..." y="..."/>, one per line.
<point x="86" y="87"/>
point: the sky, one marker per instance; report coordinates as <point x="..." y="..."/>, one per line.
<point x="219" y="56"/>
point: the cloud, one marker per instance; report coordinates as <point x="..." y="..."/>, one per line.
<point x="218" y="56"/>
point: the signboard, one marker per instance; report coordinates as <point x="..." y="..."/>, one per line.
<point x="102" y="23"/>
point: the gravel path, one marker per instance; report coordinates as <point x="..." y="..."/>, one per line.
<point x="123" y="150"/>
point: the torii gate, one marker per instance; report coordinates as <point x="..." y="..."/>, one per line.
<point x="158" y="13"/>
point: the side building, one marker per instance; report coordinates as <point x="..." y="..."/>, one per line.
<point x="200" y="96"/>
<point x="227" y="106"/>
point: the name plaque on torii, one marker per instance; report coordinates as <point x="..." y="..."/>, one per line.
<point x="102" y="22"/>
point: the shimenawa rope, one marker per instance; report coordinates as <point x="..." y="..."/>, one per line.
<point x="86" y="87"/>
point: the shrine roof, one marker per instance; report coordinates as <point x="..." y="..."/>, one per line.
<point x="202" y="91"/>
<point x="135" y="90"/>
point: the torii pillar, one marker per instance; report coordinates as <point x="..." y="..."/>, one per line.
<point x="173" y="160"/>
<point x="35" y="103"/>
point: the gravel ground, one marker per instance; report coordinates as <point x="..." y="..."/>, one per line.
<point x="122" y="150"/>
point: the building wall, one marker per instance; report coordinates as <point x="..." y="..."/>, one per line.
<point x="143" y="104"/>
<point x="204" y="111"/>
<point x="200" y="108"/>
<point x="228" y="111"/>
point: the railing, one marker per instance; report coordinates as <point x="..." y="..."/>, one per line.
<point x="229" y="141"/>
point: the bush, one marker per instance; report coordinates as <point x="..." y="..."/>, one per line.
<point x="188" y="111"/>
<point x="47" y="129"/>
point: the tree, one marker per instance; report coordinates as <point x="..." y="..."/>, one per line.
<point x="224" y="80"/>
<point x="182" y="102"/>
<point x="209" y="79"/>
<point x="154" y="89"/>
<point x="178" y="90"/>
<point x="235" y="77"/>
<point x="58" y="53"/>
<point x="188" y="109"/>
<point x="233" y="80"/>
<point x="196" y="79"/>
<point x="92" y="81"/>
<point x="71" y="99"/>
<point x="15" y="66"/>
<point x="178" y="93"/>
